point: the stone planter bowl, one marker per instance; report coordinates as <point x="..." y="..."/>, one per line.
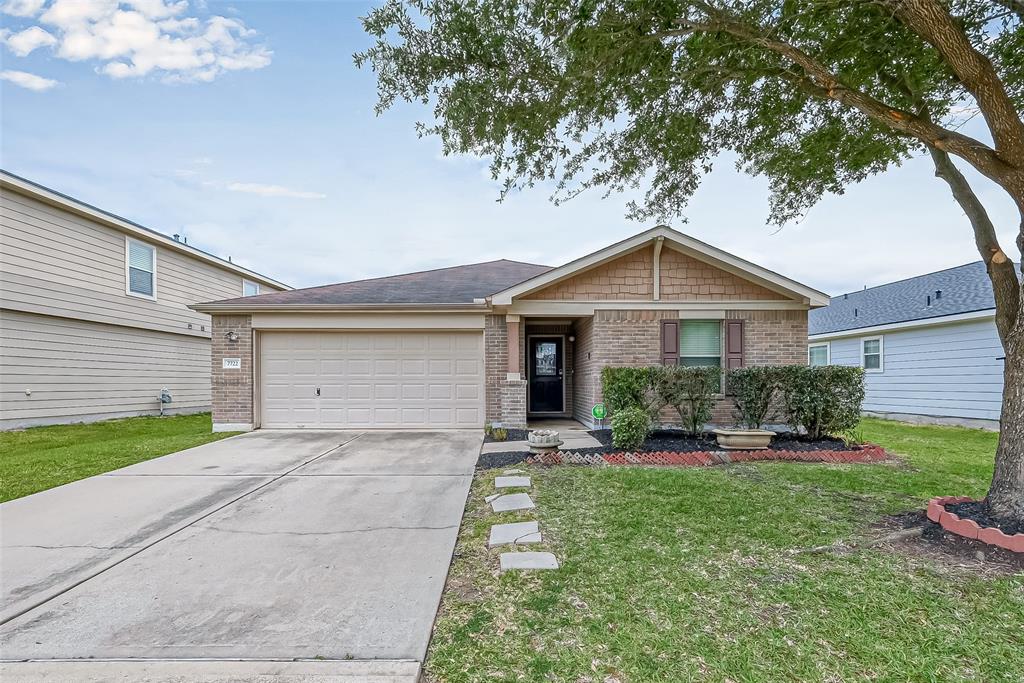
<point x="541" y="440"/>
<point x="744" y="439"/>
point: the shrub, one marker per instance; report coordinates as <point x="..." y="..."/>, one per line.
<point x="753" y="390"/>
<point x="630" y="427"/>
<point x="628" y="388"/>
<point x="499" y="433"/>
<point x="488" y="429"/>
<point x="823" y="399"/>
<point x="691" y="391"/>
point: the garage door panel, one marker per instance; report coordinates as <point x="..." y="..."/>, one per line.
<point x="372" y="380"/>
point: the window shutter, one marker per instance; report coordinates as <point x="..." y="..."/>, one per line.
<point x="734" y="344"/>
<point x="670" y="342"/>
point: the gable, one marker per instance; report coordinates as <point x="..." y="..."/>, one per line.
<point x="627" y="278"/>
<point x="630" y="277"/>
<point x="685" y="278"/>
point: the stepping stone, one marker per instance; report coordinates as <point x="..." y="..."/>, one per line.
<point x="510" y="561"/>
<point x="491" y="497"/>
<point x="514" y="501"/>
<point x="520" y="532"/>
<point x="511" y="482"/>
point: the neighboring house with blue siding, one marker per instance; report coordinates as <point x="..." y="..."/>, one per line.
<point x="928" y="346"/>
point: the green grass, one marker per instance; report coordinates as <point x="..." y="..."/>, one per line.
<point x="40" y="458"/>
<point x="686" y="574"/>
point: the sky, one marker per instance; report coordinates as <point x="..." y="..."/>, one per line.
<point x="246" y="127"/>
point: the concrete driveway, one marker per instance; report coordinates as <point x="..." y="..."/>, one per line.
<point x="314" y="555"/>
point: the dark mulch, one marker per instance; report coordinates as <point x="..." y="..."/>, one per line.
<point x="936" y="543"/>
<point x="493" y="461"/>
<point x="513" y="435"/>
<point x="979" y="512"/>
<point x="676" y="441"/>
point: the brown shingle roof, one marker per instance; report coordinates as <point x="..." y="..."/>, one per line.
<point x="454" y="285"/>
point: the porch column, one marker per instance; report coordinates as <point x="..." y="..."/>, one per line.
<point x="512" y="330"/>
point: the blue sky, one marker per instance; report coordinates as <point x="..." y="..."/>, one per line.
<point x="250" y="131"/>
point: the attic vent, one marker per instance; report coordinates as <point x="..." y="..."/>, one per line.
<point x="845" y="297"/>
<point x="928" y="300"/>
<point x="855" y="313"/>
<point x="938" y="294"/>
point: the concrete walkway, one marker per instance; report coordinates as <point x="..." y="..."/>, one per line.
<point x="331" y="547"/>
<point x="571" y="440"/>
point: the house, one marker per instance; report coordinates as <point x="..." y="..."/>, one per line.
<point x="94" y="321"/>
<point x="501" y="342"/>
<point x="928" y="346"/>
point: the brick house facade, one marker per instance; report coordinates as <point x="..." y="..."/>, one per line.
<point x="610" y="308"/>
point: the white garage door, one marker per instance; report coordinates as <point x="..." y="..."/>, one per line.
<point x="371" y="379"/>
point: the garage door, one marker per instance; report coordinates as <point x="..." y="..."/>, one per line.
<point x="371" y="379"/>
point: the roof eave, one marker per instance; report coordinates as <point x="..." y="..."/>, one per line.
<point x="53" y="198"/>
<point x="214" y="307"/>
<point x="966" y="316"/>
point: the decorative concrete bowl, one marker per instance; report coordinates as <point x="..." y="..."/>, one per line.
<point x="744" y="439"/>
<point x="541" y="440"/>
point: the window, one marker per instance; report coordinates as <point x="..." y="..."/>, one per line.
<point x="700" y="343"/>
<point x="871" y="354"/>
<point x="250" y="288"/>
<point x="140" y="278"/>
<point x="819" y="354"/>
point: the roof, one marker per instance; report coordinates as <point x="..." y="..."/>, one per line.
<point x="443" y="286"/>
<point x="689" y="245"/>
<point x="16" y="183"/>
<point x="954" y="291"/>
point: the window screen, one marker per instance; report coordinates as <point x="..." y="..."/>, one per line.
<point x="818" y="355"/>
<point x="700" y="343"/>
<point x="250" y="288"/>
<point x="140" y="268"/>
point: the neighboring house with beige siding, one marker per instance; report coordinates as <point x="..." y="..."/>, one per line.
<point x="94" y="317"/>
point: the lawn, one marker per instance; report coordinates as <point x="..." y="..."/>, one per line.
<point x="40" y="458"/>
<point x="688" y="574"/>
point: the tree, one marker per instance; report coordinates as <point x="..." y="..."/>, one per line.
<point x="812" y="94"/>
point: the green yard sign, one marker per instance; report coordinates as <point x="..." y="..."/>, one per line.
<point x="598" y="412"/>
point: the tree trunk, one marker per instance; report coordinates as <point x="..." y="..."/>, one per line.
<point x="1006" y="495"/>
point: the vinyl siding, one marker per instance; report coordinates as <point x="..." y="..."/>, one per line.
<point x="53" y="262"/>
<point x="941" y="371"/>
<point x="81" y="371"/>
<point x="71" y="334"/>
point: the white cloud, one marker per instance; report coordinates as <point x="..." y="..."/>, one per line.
<point x="139" y="38"/>
<point x="27" y="80"/>
<point x="24" y="42"/>
<point x="274" y="191"/>
<point x="22" y="8"/>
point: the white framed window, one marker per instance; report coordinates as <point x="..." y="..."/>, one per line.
<point x="819" y="354"/>
<point x="871" y="354"/>
<point x="250" y="288"/>
<point x="139" y="268"/>
<point x="700" y="343"/>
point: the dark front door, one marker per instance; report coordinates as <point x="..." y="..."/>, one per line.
<point x="546" y="375"/>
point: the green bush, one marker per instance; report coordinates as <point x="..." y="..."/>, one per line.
<point x="499" y="433"/>
<point x="691" y="391"/>
<point x="628" y="388"/>
<point x="753" y="390"/>
<point x="630" y="427"/>
<point x="823" y="399"/>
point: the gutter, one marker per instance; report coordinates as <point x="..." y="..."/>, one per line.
<point x="214" y="307"/>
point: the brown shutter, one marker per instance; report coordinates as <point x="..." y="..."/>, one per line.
<point x="669" y="342"/>
<point x="733" y="344"/>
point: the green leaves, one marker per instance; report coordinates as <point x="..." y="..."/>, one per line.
<point x="596" y="93"/>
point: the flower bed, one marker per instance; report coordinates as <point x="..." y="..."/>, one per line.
<point x="866" y="453"/>
<point x="968" y="528"/>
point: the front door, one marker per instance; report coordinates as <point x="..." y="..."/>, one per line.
<point x="547" y="387"/>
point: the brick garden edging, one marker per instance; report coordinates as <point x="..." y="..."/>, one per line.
<point x="868" y="453"/>
<point x="968" y="528"/>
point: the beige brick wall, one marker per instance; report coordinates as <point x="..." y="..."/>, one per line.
<point x="624" y="338"/>
<point x="495" y="364"/>
<point x="232" y="389"/>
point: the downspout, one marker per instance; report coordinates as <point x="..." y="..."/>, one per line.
<point x="658" y="242"/>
